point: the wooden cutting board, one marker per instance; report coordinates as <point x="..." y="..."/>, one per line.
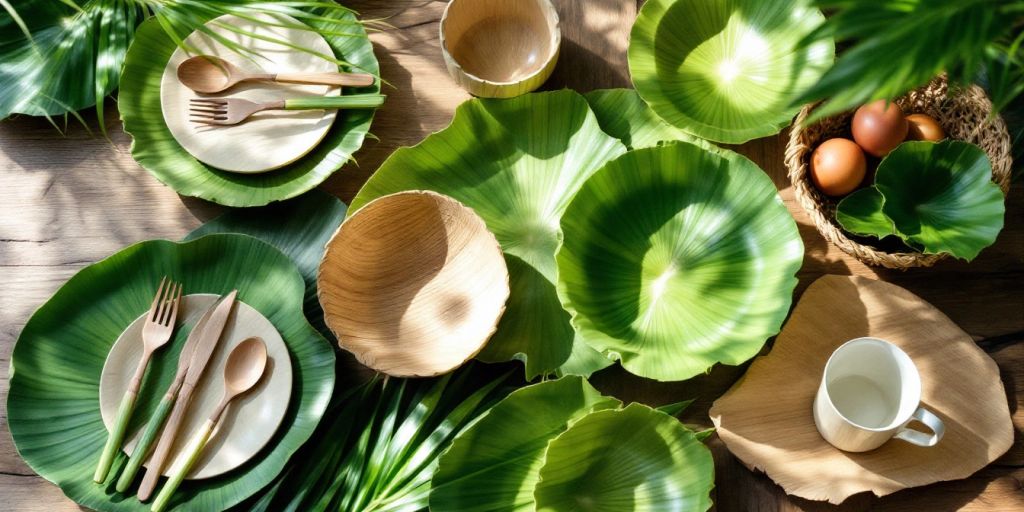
<point x="766" y="419"/>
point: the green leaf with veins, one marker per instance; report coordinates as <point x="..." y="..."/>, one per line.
<point x="861" y="213"/>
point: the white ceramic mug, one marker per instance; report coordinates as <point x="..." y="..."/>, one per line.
<point x="869" y="393"/>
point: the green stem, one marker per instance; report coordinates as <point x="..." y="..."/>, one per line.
<point x="142" y="448"/>
<point x="354" y="101"/>
<point x="116" y="436"/>
<point x="178" y="472"/>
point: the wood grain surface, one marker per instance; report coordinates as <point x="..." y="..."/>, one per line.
<point x="67" y="201"/>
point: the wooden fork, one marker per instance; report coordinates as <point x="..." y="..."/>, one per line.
<point x="228" y="111"/>
<point x="155" y="333"/>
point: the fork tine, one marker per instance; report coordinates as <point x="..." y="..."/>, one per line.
<point x="171" y="311"/>
<point x="156" y="299"/>
<point x="206" y="110"/>
<point x="213" y="101"/>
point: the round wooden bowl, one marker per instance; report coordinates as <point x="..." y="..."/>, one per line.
<point x="962" y="113"/>
<point x="413" y="284"/>
<point x="500" y="48"/>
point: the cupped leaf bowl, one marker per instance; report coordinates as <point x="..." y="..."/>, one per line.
<point x="156" y="150"/>
<point x="54" y="406"/>
<point x="726" y="70"/>
<point x="413" y="284"/>
<point x="676" y="258"/>
<point x="517" y="163"/>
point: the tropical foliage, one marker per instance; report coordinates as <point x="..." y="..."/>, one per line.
<point x="937" y="197"/>
<point x="897" y="46"/>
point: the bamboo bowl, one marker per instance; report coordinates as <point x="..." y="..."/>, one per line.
<point x="413" y="284"/>
<point x="500" y="48"/>
<point x="963" y="115"/>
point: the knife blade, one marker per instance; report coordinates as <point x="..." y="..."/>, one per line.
<point x="206" y="342"/>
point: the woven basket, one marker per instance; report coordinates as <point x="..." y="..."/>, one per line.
<point x="964" y="115"/>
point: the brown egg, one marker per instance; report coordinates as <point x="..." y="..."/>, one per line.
<point x="924" y="127"/>
<point x="878" y="128"/>
<point x="838" y="167"/>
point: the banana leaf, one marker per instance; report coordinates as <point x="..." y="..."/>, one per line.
<point x="517" y="163"/>
<point x="635" y="459"/>
<point x="676" y="258"/>
<point x="155" y="149"/>
<point x="53" y="403"/>
<point x="494" y="464"/>
<point x="726" y="70"/>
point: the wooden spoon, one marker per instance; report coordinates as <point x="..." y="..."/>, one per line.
<point x="243" y="369"/>
<point x="209" y="74"/>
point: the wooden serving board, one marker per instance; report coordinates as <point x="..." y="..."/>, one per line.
<point x="766" y="420"/>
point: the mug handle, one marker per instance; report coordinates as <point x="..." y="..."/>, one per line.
<point x="931" y="421"/>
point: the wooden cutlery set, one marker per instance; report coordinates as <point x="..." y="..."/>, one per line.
<point x="206" y="74"/>
<point x="244" y="367"/>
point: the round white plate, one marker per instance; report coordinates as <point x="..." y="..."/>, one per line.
<point x="270" y="139"/>
<point x="251" y="419"/>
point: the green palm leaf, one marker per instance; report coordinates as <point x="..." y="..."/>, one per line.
<point x="635" y="459"/>
<point x="155" y="149"/>
<point x="726" y="70"/>
<point x="55" y="368"/>
<point x="494" y="464"/>
<point x="676" y="258"/>
<point x="518" y="163"/>
<point x="380" y="444"/>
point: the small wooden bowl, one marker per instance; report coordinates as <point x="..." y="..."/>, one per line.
<point x="963" y="115"/>
<point x="413" y="284"/>
<point x="500" y="48"/>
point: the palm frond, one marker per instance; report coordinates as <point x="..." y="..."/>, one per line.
<point x="896" y="45"/>
<point x="378" y="445"/>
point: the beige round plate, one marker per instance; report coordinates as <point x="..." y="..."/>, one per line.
<point x="251" y="419"/>
<point x="270" y="139"/>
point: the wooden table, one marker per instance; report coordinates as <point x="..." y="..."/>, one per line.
<point x="66" y="202"/>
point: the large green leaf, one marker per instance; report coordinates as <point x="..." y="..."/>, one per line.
<point x="676" y="258"/>
<point x="156" y="150"/>
<point x="634" y="459"/>
<point x="518" y="163"/>
<point x="53" y="404"/>
<point x="624" y="115"/>
<point x="72" y="59"/>
<point x="494" y="464"/>
<point x="726" y="70"/>
<point x="299" y="228"/>
<point x="940" y="196"/>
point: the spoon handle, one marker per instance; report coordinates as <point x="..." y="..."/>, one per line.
<point x="192" y="450"/>
<point x="344" y="79"/>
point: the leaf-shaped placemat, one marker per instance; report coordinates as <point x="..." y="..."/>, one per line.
<point x="55" y="368"/>
<point x="636" y="459"/>
<point x="517" y="163"/>
<point x="941" y="197"/>
<point x="494" y="464"/>
<point x="726" y="70"/>
<point x="676" y="258"/>
<point x="155" y="149"/>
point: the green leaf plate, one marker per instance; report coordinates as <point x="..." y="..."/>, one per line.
<point x="53" y="404"/>
<point x="726" y="70"/>
<point x="517" y="163"/>
<point x="155" y="149"/>
<point x="676" y="258"/>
